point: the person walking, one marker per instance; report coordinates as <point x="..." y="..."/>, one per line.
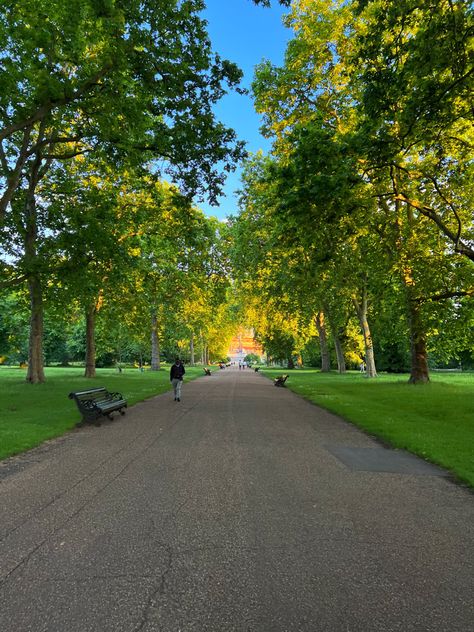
<point x="176" y="378"/>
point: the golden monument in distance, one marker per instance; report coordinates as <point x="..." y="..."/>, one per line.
<point x="242" y="344"/>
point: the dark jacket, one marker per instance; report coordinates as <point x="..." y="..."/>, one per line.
<point x="177" y="371"/>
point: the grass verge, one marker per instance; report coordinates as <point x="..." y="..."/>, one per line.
<point x="434" y="421"/>
<point x="33" y="413"/>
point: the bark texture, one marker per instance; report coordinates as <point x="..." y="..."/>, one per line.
<point x="323" y="343"/>
<point x="35" y="373"/>
<point x="341" y="361"/>
<point x="155" y="344"/>
<point x="419" y="373"/>
<point x="90" y="341"/>
<point x="191" y="350"/>
<point x="361" y="309"/>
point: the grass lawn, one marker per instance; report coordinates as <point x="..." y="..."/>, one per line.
<point x="435" y="420"/>
<point x="32" y="413"/>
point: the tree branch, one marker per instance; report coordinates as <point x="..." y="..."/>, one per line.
<point x="450" y="205"/>
<point x="459" y="246"/>
<point x="15" y="174"/>
<point x="13" y="282"/>
<point x="445" y="295"/>
<point x="66" y="156"/>
<point x="46" y="108"/>
<point x="3" y="160"/>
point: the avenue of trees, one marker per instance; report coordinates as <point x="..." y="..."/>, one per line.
<point x="358" y="230"/>
<point x="354" y="239"/>
<point x="99" y="102"/>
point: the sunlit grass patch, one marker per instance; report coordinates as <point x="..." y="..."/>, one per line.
<point x="32" y="413"/>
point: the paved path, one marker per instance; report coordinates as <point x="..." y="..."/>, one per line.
<point x="237" y="510"/>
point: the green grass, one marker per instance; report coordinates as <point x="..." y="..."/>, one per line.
<point x="435" y="420"/>
<point x="33" y="413"/>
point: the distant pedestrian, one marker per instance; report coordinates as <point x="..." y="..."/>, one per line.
<point x="176" y="378"/>
<point x="240" y="365"/>
<point x="362" y="367"/>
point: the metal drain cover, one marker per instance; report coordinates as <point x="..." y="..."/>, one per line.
<point x="384" y="460"/>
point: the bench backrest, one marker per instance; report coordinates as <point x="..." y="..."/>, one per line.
<point x="93" y="394"/>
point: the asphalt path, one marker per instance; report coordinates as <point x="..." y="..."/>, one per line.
<point x="241" y="508"/>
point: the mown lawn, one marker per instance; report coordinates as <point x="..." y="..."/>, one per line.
<point x="32" y="413"/>
<point x="435" y="420"/>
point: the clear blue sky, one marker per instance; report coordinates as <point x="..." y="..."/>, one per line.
<point x="245" y="34"/>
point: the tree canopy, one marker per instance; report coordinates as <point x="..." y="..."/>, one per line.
<point x="368" y="193"/>
<point x="354" y="238"/>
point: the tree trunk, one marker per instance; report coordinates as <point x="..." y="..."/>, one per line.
<point x="323" y="343"/>
<point x="419" y="373"/>
<point x="90" y="341"/>
<point x="361" y="309"/>
<point x="191" y="349"/>
<point x="35" y="374"/>
<point x="201" y="344"/>
<point x="419" y="358"/>
<point x="336" y="334"/>
<point x="155" y="343"/>
<point x="341" y="361"/>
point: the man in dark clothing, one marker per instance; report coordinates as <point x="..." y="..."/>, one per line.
<point x="176" y="377"/>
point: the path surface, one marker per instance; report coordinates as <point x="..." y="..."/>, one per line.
<point x="242" y="509"/>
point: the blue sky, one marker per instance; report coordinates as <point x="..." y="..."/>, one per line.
<point x="245" y="34"/>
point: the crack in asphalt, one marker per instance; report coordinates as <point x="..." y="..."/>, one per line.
<point x="90" y="499"/>
<point x="159" y="589"/>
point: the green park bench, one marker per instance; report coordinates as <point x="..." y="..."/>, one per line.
<point x="96" y="403"/>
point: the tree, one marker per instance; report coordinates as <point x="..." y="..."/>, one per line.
<point x="416" y="76"/>
<point x="92" y="213"/>
<point x="102" y="80"/>
<point x="13" y="327"/>
<point x="340" y="141"/>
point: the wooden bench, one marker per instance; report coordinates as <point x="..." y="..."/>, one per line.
<point x="280" y="380"/>
<point x="207" y="371"/>
<point x="96" y="403"/>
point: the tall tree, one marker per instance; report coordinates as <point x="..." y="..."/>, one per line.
<point x="100" y="78"/>
<point x="414" y="65"/>
<point x="348" y="133"/>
